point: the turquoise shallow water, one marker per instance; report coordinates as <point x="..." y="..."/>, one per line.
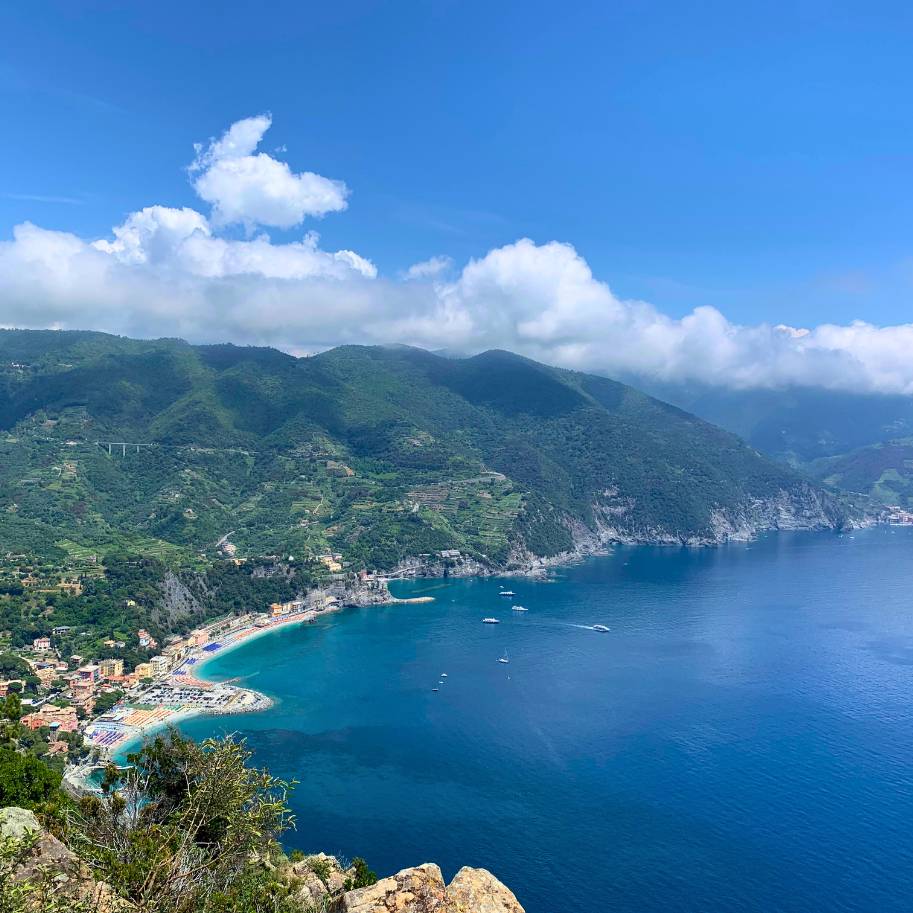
<point x="742" y="739"/>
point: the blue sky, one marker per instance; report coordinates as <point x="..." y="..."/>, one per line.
<point x="757" y="158"/>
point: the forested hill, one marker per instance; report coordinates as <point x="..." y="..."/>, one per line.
<point x="376" y="453"/>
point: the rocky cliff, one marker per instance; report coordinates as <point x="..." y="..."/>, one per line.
<point x="54" y="880"/>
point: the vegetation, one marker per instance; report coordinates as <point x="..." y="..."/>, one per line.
<point x="883" y="471"/>
<point x="376" y="453"/>
<point x="188" y="828"/>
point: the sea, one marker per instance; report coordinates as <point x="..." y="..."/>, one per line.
<point x="740" y="739"/>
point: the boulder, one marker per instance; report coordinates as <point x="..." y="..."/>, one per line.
<point x="54" y="869"/>
<point x="18" y="822"/>
<point x="478" y="891"/>
<point x="311" y="887"/>
<point x="417" y="890"/>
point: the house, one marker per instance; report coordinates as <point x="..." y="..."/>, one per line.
<point x="41" y="644"/>
<point x="58" y="719"/>
<point x="143" y="670"/>
<point x="46" y="675"/>
<point x="61" y="629"/>
<point x="5" y="686"/>
<point x="111" y="668"/>
<point x="88" y="673"/>
<point x="160" y="664"/>
<point x="146" y="639"/>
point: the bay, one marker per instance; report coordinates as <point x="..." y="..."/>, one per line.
<point x="741" y="738"/>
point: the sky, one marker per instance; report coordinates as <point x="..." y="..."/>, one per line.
<point x="712" y="192"/>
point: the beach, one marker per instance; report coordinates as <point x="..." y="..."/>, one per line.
<point x="182" y="693"/>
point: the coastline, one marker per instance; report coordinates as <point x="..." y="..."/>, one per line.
<point x="183" y="693"/>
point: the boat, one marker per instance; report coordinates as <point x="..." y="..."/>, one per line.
<point x="443" y="675"/>
<point x="490" y="621"/>
<point x="504" y="659"/>
<point x="507" y="593"/>
<point x="520" y="608"/>
<point x="435" y="689"/>
<point x="601" y="628"/>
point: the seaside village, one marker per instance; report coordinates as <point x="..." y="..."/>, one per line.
<point x="87" y="709"/>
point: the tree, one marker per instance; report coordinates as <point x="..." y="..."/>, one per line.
<point x="25" y="780"/>
<point x="177" y="830"/>
<point x="12" y="707"/>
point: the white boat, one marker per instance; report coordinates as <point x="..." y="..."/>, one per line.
<point x="601" y="628"/>
<point x="435" y="689"/>
<point x="490" y="621"/>
<point x="520" y="608"/>
<point x="507" y="593"/>
<point x="443" y="675"/>
<point x="504" y="659"/>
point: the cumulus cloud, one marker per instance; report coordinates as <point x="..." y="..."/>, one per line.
<point x="244" y="188"/>
<point x="173" y="272"/>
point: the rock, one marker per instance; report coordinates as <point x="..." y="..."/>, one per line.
<point x="311" y="887"/>
<point x="417" y="890"/>
<point x="478" y="891"/>
<point x="18" y="822"/>
<point x="54" y="867"/>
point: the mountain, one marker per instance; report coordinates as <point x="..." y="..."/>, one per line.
<point x="169" y="449"/>
<point x="882" y="471"/>
<point x="858" y="442"/>
<point x="796" y="424"/>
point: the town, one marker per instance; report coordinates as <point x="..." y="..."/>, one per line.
<point x="82" y="709"/>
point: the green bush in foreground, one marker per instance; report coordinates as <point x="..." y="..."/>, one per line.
<point x="177" y="832"/>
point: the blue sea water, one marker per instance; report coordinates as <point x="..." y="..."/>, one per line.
<point x="741" y="740"/>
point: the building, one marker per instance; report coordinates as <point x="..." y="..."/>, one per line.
<point x="175" y="652"/>
<point x="61" y="629"/>
<point x="89" y="673"/>
<point x="111" y="668"/>
<point x="59" y="719"/>
<point x="5" y="686"/>
<point x="143" y="670"/>
<point x="42" y="644"/>
<point x="146" y="640"/>
<point x="160" y="665"/>
<point x="46" y="675"/>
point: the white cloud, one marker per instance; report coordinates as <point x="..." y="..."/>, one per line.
<point x="168" y="272"/>
<point x="428" y="269"/>
<point x="249" y="189"/>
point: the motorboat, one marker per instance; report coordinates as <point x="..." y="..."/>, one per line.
<point x="490" y="621"/>
<point x="600" y="628"/>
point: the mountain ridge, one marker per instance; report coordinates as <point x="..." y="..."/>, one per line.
<point x="378" y="453"/>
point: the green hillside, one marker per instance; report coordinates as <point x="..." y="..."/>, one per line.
<point x="377" y="453"/>
<point x="883" y="471"/>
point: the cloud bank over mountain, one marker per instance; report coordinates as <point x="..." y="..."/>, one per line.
<point x="177" y="271"/>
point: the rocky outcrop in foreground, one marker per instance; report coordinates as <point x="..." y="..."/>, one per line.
<point x="422" y="890"/>
<point x="60" y="880"/>
<point x="318" y="883"/>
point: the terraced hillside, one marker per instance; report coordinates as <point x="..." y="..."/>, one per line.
<point x="160" y="447"/>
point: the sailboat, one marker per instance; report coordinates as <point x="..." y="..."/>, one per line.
<point x="504" y="659"/>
